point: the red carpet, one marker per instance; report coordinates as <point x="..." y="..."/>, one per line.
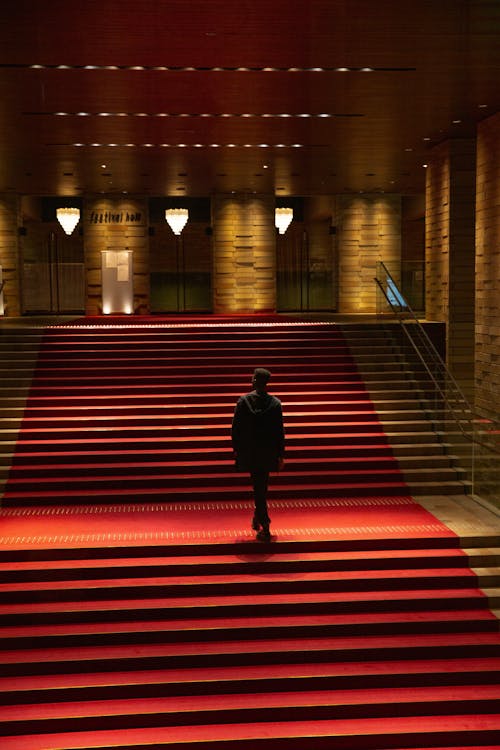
<point x="142" y="413"/>
<point x="138" y="611"/>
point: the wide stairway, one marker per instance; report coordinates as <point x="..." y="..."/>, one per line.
<point x="137" y="610"/>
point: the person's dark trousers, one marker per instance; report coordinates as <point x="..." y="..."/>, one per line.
<point x="260" y="480"/>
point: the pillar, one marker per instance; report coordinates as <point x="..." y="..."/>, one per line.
<point x="9" y="254"/>
<point x="368" y="231"/>
<point x="244" y="268"/>
<point x="488" y="268"/>
<point x="450" y="249"/>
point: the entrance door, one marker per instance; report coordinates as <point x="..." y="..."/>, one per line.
<point x="306" y="270"/>
<point x="53" y="272"/>
<point x="181" y="270"/>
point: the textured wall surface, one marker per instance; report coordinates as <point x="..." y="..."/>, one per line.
<point x="244" y="272"/>
<point x="488" y="267"/>
<point x="116" y="224"/>
<point x="437" y="233"/>
<point x="368" y="231"/>
<point x="9" y="254"/>
<point x="450" y="252"/>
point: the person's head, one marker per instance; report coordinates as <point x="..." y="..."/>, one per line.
<point x="260" y="379"/>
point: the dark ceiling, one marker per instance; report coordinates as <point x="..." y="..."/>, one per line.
<point x="192" y="97"/>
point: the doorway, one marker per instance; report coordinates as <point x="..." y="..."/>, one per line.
<point x="306" y="269"/>
<point x="53" y="271"/>
<point x="180" y="265"/>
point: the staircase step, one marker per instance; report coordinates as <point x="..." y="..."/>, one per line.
<point x="217" y="585"/>
<point x="232" y="654"/>
<point x="75" y="567"/>
<point x="251" y="707"/>
<point x="71" y="609"/>
<point x="258" y="678"/>
<point x="473" y="731"/>
<point x="76" y="634"/>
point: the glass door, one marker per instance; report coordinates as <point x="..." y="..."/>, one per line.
<point x="53" y="271"/>
<point x="306" y="269"/>
<point x="181" y="279"/>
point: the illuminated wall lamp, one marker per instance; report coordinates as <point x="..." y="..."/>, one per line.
<point x="68" y="218"/>
<point x="177" y="219"/>
<point x="283" y="218"/>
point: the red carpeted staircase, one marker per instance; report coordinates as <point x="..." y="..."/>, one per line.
<point x="123" y="413"/>
<point x="138" y="611"/>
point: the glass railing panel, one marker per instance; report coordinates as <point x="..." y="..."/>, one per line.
<point x="472" y="441"/>
<point x="486" y="469"/>
<point x="405" y="287"/>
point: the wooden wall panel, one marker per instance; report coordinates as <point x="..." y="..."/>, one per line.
<point x="450" y="251"/>
<point x="9" y="254"/>
<point x="116" y="224"/>
<point x="488" y="268"/>
<point x="244" y="277"/>
<point x="368" y="231"/>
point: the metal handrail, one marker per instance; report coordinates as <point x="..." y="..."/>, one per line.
<point x="437" y="385"/>
<point x="465" y="409"/>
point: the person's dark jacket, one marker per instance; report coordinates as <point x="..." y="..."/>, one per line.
<point x="257" y="432"/>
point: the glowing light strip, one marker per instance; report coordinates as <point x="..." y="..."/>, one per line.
<point x="191" y="325"/>
<point x="242" y="115"/>
<point x="217" y="69"/>
<point x="189" y="145"/>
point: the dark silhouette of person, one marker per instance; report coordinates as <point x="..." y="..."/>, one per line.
<point x="258" y="438"/>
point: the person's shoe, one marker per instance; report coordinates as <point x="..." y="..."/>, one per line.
<point x="255" y="524"/>
<point x="264" y="535"/>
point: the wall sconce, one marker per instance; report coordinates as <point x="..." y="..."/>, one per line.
<point x="177" y="219"/>
<point x="68" y="218"/>
<point x="283" y="218"/>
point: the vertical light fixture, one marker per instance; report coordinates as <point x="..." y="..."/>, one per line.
<point x="68" y="218"/>
<point x="177" y="219"/>
<point x="283" y="218"/>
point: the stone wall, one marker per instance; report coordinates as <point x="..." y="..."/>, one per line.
<point x="368" y="231"/>
<point x="437" y="233"/>
<point x="244" y="270"/>
<point x="9" y="254"/>
<point x="450" y="249"/>
<point x="116" y="224"/>
<point x="488" y="268"/>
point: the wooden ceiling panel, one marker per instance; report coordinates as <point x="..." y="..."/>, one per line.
<point x="434" y="63"/>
